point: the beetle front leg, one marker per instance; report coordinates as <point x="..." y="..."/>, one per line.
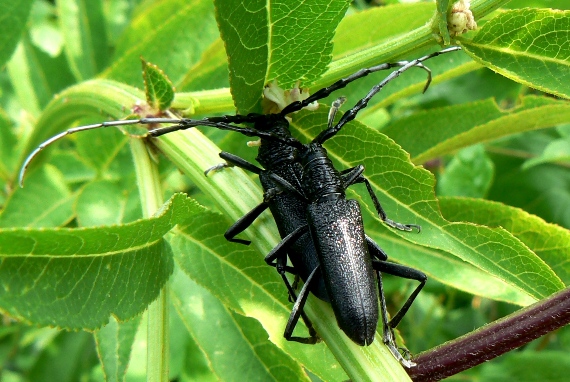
<point x="353" y="176"/>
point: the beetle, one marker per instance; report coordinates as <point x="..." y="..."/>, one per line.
<point x="301" y="250"/>
<point x="348" y="258"/>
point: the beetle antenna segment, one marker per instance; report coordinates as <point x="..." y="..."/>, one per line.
<point x="84" y="128"/>
<point x="351" y="114"/>
<point x="325" y="92"/>
<point x="222" y="123"/>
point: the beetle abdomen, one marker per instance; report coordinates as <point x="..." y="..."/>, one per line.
<point x="289" y="214"/>
<point x="338" y="234"/>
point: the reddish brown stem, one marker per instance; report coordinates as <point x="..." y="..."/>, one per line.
<point x="494" y="339"/>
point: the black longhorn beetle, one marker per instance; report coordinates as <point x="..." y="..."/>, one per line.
<point x="288" y="199"/>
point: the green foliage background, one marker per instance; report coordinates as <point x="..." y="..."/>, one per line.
<point x="481" y="162"/>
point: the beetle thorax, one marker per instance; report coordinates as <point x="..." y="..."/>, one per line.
<point x="320" y="178"/>
<point x="272" y="153"/>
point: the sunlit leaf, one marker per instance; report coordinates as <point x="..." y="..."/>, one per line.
<point x="48" y="186"/>
<point x="13" y="16"/>
<point x="264" y="42"/>
<point x="158" y="87"/>
<point x="435" y="132"/>
<point x="549" y="241"/>
<point x="226" y="342"/>
<point x="85" y="46"/>
<point x="114" y="342"/>
<point x="529" y="46"/>
<point x="77" y="278"/>
<point x="163" y="33"/>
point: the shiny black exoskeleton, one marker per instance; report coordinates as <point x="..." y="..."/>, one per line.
<point x="350" y="262"/>
<point x="288" y="207"/>
<point x="348" y="259"/>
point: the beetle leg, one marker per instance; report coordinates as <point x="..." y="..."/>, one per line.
<point x="375" y="251"/>
<point x="379" y="256"/>
<point x="352" y="175"/>
<point x="388" y="336"/>
<point x="243" y="223"/>
<point x="378" y="206"/>
<point x="298" y="311"/>
<point x="234" y="160"/>
<point x="280" y="250"/>
<point x="407" y="273"/>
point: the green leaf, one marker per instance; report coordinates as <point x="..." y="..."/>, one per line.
<point x="555" y="4"/>
<point x="237" y="348"/>
<point x="210" y="72"/>
<point x="447" y="268"/>
<point x="106" y="202"/>
<point x="137" y="366"/>
<point x="63" y="359"/>
<point x="541" y="190"/>
<point x="160" y="32"/>
<point x="72" y="166"/>
<point x="276" y="40"/>
<point x="77" y="278"/>
<point x="556" y="151"/>
<point x="528" y="366"/>
<point x="470" y="173"/>
<point x="114" y="342"/>
<point x="48" y="186"/>
<point x="103" y="202"/>
<point x="36" y="76"/>
<point x="8" y="142"/>
<point x="186" y="356"/>
<point x="433" y="133"/>
<point x="13" y="16"/>
<point x="99" y="148"/>
<point x="85" y="45"/>
<point x="529" y="46"/>
<point x="406" y="193"/>
<point x="158" y="87"/>
<point x="549" y="241"/>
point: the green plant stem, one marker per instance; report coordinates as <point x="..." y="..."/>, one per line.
<point x="205" y="102"/>
<point x="402" y="46"/>
<point x="157" y="324"/>
<point x="482" y="8"/>
<point x="390" y="51"/>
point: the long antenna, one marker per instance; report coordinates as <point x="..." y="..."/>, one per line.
<point x="343" y="82"/>
<point x="84" y="128"/>
<point x="223" y="123"/>
<point x="351" y="114"/>
<point x="178" y="124"/>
